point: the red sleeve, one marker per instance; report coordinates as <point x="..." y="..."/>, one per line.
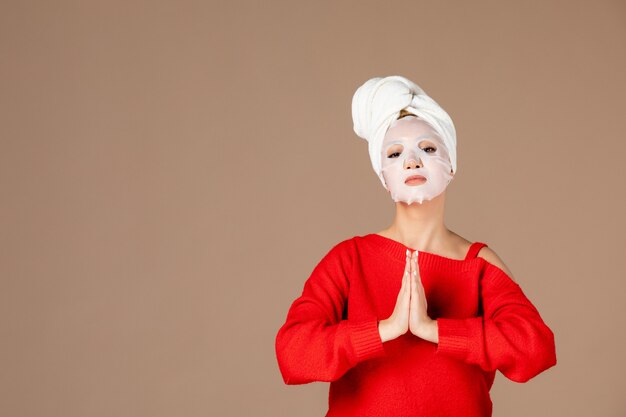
<point x="510" y="336"/>
<point x="314" y="343"/>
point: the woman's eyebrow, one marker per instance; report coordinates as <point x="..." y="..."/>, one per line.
<point x="426" y="136"/>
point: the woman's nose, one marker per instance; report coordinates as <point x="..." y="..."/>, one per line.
<point x="412" y="162"/>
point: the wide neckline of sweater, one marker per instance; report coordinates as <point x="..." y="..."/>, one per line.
<point x="398" y="250"/>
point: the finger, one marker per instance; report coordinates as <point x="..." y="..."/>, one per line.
<point x="405" y="276"/>
<point x="416" y="278"/>
<point x="406" y="291"/>
<point x="416" y="282"/>
<point x="407" y="264"/>
<point x="420" y="286"/>
<point x="407" y="282"/>
<point x="405" y="287"/>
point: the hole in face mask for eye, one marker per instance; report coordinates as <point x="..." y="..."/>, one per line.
<point x="394" y="152"/>
<point x="428" y="146"/>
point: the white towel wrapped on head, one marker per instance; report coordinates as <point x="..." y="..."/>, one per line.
<point x="378" y="102"/>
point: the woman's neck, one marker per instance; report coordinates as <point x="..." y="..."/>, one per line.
<point x="420" y="226"/>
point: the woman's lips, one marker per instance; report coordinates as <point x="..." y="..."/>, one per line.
<point x="415" y="179"/>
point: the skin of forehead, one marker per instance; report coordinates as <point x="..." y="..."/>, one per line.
<point x="411" y="127"/>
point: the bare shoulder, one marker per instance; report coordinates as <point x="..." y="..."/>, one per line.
<point x="485" y="252"/>
<point x="492" y="257"/>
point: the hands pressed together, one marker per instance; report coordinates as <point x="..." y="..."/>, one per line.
<point x="410" y="311"/>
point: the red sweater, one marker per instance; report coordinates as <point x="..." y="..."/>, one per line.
<point x="485" y="323"/>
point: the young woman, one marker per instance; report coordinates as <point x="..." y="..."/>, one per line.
<point x="413" y="320"/>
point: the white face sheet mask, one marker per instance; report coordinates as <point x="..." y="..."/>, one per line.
<point x="412" y="147"/>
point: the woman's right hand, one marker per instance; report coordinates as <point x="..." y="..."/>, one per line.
<point x="398" y="323"/>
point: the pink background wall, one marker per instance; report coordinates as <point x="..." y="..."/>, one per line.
<point x="170" y="174"/>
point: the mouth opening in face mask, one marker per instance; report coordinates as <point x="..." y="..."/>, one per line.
<point x="415" y="180"/>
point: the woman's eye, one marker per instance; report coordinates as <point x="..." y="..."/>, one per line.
<point x="430" y="147"/>
<point x="392" y="155"/>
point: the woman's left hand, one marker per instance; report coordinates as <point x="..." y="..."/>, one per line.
<point x="420" y="324"/>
